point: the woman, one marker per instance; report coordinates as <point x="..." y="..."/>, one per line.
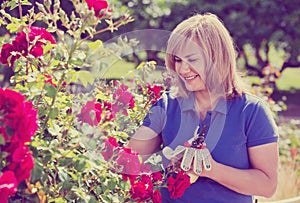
<point x="241" y="136"/>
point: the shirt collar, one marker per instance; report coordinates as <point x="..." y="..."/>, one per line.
<point x="188" y="104"/>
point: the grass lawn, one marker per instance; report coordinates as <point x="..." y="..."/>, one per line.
<point x="119" y="69"/>
<point x="289" y="80"/>
<point x="122" y="68"/>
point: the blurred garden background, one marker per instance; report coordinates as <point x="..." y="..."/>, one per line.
<point x="267" y="37"/>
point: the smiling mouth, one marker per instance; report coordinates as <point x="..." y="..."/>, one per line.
<point x="191" y="77"/>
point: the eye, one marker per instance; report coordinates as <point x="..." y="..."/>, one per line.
<point x="177" y="59"/>
<point x="192" y="60"/>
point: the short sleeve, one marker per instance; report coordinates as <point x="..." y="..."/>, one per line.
<point x="156" y="117"/>
<point x="261" y="127"/>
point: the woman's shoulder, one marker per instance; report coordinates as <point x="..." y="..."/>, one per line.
<point x="251" y="102"/>
<point x="171" y="102"/>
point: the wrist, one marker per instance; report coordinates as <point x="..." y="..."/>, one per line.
<point x="212" y="174"/>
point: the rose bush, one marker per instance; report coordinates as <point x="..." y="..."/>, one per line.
<point x="80" y="121"/>
<point x="18" y="121"/>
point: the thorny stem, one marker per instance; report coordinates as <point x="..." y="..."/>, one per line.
<point x="20" y="9"/>
<point x="53" y="101"/>
<point x="116" y="25"/>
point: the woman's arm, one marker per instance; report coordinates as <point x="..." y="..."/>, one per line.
<point x="260" y="180"/>
<point x="145" y="142"/>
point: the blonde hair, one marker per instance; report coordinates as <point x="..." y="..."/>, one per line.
<point x="207" y="34"/>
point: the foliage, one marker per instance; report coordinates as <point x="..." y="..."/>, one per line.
<point x="261" y="24"/>
<point x="78" y="110"/>
<point x="265" y="26"/>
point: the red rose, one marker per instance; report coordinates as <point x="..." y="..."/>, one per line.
<point x="146" y="178"/>
<point x="110" y="145"/>
<point x="139" y="191"/>
<point x="178" y="184"/>
<point x="148" y="181"/>
<point x="35" y="40"/>
<point x="6" y="53"/>
<point x="157" y="176"/>
<point x="100" y="7"/>
<point x="22" y="163"/>
<point x="90" y="113"/>
<point x="131" y="178"/>
<point x="129" y="161"/>
<point x="41" y="34"/>
<point x="156" y="197"/>
<point x="18" y="118"/>
<point x="21" y="43"/>
<point x="154" y="92"/>
<point x="8" y="185"/>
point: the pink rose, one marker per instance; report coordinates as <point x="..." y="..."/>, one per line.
<point x="91" y="113"/>
<point x="110" y="145"/>
<point x="8" y="185"/>
<point x="129" y="161"/>
<point x="100" y="7"/>
<point x="124" y="100"/>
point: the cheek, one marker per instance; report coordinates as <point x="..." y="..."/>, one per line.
<point x="177" y="67"/>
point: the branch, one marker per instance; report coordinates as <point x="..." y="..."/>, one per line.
<point x="20" y="9"/>
<point x="289" y="64"/>
<point x="250" y="67"/>
<point x="254" y="69"/>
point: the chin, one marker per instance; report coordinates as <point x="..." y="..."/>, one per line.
<point x="194" y="89"/>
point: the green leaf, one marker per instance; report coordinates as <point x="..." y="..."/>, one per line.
<point x="12" y="27"/>
<point x="48" y="47"/>
<point x="65" y="161"/>
<point x="12" y="4"/>
<point x="95" y="45"/>
<point x="53" y="113"/>
<point x="2" y="140"/>
<point x="85" y="77"/>
<point x="80" y="165"/>
<point x="50" y="90"/>
<point x="57" y="200"/>
<point x="63" y="174"/>
<point x="25" y="3"/>
<point x="67" y="185"/>
<point x="36" y="172"/>
<point x="111" y="184"/>
<point x="54" y="63"/>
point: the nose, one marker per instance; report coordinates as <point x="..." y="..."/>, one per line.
<point x="184" y="68"/>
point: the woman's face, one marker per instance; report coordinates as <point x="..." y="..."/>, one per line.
<point x="185" y="67"/>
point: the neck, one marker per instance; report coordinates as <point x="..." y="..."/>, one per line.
<point x="204" y="102"/>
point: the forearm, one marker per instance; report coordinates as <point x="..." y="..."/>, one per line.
<point x="244" y="181"/>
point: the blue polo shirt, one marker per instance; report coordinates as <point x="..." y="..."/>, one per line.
<point x="234" y="126"/>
